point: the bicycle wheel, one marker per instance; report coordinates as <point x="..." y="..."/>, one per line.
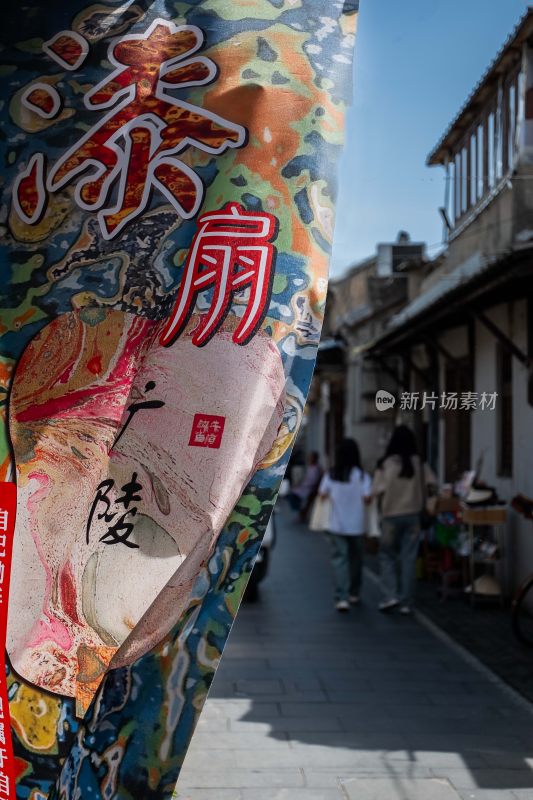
<point x="522" y="613"/>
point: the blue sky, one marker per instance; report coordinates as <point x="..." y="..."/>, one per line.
<point x="416" y="62"/>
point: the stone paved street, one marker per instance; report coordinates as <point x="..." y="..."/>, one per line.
<point x="309" y="704"/>
<point x="486" y="631"/>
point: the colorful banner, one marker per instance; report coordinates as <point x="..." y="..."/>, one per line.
<point x="8" y="510"/>
<point x="167" y="215"/>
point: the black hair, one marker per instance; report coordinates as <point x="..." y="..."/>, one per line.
<point x="403" y="444"/>
<point x="347" y="456"/>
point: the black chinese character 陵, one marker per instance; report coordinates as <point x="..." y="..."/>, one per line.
<point x="120" y="531"/>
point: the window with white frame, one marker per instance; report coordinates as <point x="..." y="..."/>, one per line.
<point x="486" y="152"/>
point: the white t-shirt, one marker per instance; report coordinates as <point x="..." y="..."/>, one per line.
<point x="347" y="505"/>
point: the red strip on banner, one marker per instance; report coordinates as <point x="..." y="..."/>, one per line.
<point x="8" y="508"/>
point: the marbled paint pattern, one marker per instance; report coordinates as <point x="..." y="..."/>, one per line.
<point x="283" y="74"/>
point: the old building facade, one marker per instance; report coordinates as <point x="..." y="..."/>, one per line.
<point x="342" y="398"/>
<point x="462" y="324"/>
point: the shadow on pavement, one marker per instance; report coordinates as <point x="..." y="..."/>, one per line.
<point x="360" y="694"/>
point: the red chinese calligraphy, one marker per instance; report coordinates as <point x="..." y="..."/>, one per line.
<point x="68" y="49"/>
<point x="42" y="99"/>
<point x="29" y="199"/>
<point x="232" y="250"/>
<point x="207" y="430"/>
<point x="132" y="150"/>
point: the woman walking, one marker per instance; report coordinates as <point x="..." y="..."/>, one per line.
<point x="400" y="484"/>
<point x="348" y="489"/>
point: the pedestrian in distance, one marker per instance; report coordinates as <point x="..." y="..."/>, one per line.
<point x="400" y="484"/>
<point x="348" y="488"/>
<point x="301" y="497"/>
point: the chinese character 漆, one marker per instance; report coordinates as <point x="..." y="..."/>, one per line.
<point x="132" y="150"/>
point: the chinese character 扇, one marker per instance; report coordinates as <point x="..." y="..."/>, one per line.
<point x="231" y="251"/>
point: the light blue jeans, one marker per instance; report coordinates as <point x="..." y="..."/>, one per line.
<point x="347" y="562"/>
<point x="397" y="555"/>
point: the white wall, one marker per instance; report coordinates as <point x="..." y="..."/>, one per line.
<point x="372" y="434"/>
<point x="512" y="320"/>
<point x="455" y="341"/>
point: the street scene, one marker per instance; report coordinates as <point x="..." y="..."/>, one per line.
<point x="309" y="704"/>
<point x="266" y="400"/>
